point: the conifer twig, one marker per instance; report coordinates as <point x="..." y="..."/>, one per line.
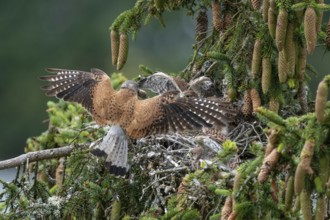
<point x="38" y="156"/>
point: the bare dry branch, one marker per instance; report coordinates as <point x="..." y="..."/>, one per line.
<point x="38" y="156"/>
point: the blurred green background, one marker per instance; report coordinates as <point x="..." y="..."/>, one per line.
<point x="74" y="35"/>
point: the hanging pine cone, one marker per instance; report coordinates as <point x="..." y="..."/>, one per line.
<point x="302" y="97"/>
<point x="271" y="23"/>
<point x="256" y="59"/>
<point x="268" y="165"/>
<point x="237" y="183"/>
<point x="319" y="17"/>
<point x="201" y="25"/>
<point x="216" y="16"/>
<point x="282" y="67"/>
<point x="301" y="63"/>
<point x="290" y="50"/>
<point x="306" y="204"/>
<point x="328" y="35"/>
<point x="310" y="29"/>
<point x="289" y="192"/>
<point x="123" y="50"/>
<point x="321" y="207"/>
<point x="272" y="5"/>
<point x="281" y="26"/>
<point x="321" y="101"/>
<point x="255" y="4"/>
<point x="227" y="208"/>
<point x="274" y="104"/>
<point x="247" y="104"/>
<point x="272" y="141"/>
<point x="255" y="98"/>
<point x="266" y="74"/>
<point x="114" y="40"/>
<point x="265" y="8"/>
<point x="233" y="215"/>
<point x="306" y="156"/>
<point x="272" y="18"/>
<point x="299" y="177"/>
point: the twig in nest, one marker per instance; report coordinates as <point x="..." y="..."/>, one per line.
<point x="175" y="169"/>
<point x="144" y="190"/>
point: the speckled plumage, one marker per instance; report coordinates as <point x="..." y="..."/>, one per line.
<point x="167" y="112"/>
<point x="202" y="86"/>
<point x="159" y="83"/>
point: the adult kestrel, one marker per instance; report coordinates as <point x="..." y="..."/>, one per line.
<point x="161" y="114"/>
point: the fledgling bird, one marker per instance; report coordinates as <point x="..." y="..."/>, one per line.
<point x="202" y="86"/>
<point x="160" y="82"/>
<point x="164" y="113"/>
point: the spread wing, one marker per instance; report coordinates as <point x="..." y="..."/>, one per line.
<point x="139" y="118"/>
<point x="170" y="112"/>
<point x="74" y="85"/>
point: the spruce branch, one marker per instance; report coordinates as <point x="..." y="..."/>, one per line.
<point x="39" y="155"/>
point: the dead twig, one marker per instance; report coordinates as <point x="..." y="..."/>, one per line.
<point x="171" y="170"/>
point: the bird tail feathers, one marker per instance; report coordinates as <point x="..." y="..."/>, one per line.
<point x="114" y="147"/>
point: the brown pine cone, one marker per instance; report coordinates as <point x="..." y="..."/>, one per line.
<point x="114" y="40"/>
<point x="265" y="7"/>
<point x="247" y="104"/>
<point x="216" y="15"/>
<point x="282" y="67"/>
<point x="272" y="18"/>
<point x="306" y="204"/>
<point x="266" y="74"/>
<point x="123" y="50"/>
<point x="255" y="98"/>
<point x="255" y="4"/>
<point x="268" y="165"/>
<point x="281" y="26"/>
<point x="321" y="101"/>
<point x="310" y="29"/>
<point x="227" y="208"/>
<point x="290" y="50"/>
<point x="301" y="63"/>
<point x="319" y="17"/>
<point x="256" y="59"/>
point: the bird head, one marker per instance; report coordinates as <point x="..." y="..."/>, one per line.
<point x="130" y="84"/>
<point x="133" y="86"/>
